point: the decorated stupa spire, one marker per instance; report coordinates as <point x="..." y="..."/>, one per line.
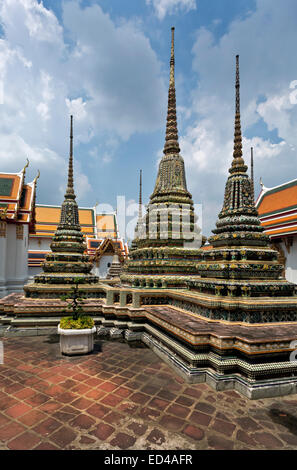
<point x="252" y="172"/>
<point x="69" y="212"/>
<point x="238" y="220"/>
<point x="70" y="188"/>
<point x="171" y="139"/>
<point x="140" y="197"/>
<point x="237" y="163"/>
<point x="171" y="175"/>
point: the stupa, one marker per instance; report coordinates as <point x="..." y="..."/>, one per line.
<point x="165" y="251"/>
<point x="241" y="262"/>
<point x="64" y="265"/>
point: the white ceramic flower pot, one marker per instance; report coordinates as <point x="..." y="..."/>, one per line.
<point x="76" y="341"/>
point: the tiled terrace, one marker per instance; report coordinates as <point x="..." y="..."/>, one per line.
<point x="126" y="398"/>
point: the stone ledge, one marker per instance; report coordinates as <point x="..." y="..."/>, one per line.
<point x="265" y="389"/>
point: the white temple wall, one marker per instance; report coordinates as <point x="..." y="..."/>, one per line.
<point x="291" y="260"/>
<point x="16" y="257"/>
<point x="10" y="252"/>
<point x="104" y="265"/>
<point x="39" y="244"/>
<point x="22" y="255"/>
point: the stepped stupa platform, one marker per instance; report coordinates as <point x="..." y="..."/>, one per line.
<point x="253" y="359"/>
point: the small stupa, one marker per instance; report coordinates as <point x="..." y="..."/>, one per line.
<point x="67" y="260"/>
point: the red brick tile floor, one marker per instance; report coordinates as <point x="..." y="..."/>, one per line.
<point x="121" y="397"/>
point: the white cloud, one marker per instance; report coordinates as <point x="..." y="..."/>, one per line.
<point x="266" y="71"/>
<point x="77" y="107"/>
<point x="100" y="77"/>
<point x="164" y="7"/>
<point x="121" y="74"/>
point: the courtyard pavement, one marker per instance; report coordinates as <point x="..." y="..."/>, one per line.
<point x="121" y="397"/>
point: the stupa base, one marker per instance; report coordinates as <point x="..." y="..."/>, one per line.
<point x="258" y="360"/>
<point x="252" y="389"/>
<point x="159" y="281"/>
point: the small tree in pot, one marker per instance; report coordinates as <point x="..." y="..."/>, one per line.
<point x="76" y="331"/>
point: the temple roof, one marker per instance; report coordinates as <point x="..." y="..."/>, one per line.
<point x="48" y="218"/>
<point x="94" y="245"/>
<point x="100" y="246"/>
<point x="17" y="198"/>
<point x="277" y="199"/>
<point x="93" y="225"/>
<point x="277" y="208"/>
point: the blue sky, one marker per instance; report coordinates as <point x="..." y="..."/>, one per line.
<point x="107" y="62"/>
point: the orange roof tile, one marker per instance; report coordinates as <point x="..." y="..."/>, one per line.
<point x="281" y="231"/>
<point x="277" y="208"/>
<point x="106" y="222"/>
<point x="278" y="220"/>
<point x="10" y="185"/>
<point x="17" y="197"/>
<point x="278" y="198"/>
<point x="48" y="218"/>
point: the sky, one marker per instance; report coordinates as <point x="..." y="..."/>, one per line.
<point x="107" y="63"/>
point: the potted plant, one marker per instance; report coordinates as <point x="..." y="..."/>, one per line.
<point x="76" y="331"/>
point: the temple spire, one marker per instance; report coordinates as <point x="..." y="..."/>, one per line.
<point x="252" y="173"/>
<point x="140" y="197"/>
<point x="70" y="188"/>
<point x="172" y="61"/>
<point x="238" y="163"/>
<point x="171" y="139"/>
<point x="69" y="210"/>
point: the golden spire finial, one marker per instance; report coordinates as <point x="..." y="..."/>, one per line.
<point x="36" y="177"/>
<point x="26" y="166"/>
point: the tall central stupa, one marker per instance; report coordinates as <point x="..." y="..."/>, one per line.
<point x="165" y="251"/>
